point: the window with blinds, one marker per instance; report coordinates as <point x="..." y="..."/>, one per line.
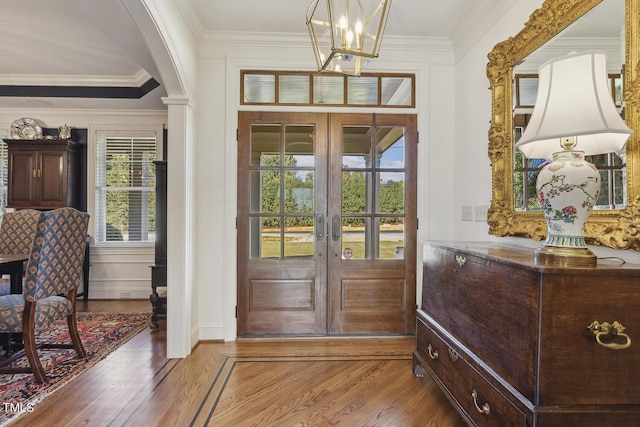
<point x="125" y="188"/>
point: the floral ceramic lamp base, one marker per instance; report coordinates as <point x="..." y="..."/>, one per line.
<point x="567" y="188"/>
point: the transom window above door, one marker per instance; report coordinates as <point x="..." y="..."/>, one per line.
<point x="383" y="90"/>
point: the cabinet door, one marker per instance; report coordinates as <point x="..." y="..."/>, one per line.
<point x="52" y="179"/>
<point x="23" y="174"/>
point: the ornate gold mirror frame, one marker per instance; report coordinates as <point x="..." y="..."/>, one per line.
<point x="619" y="229"/>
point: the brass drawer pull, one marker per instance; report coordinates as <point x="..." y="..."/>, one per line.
<point x="461" y="260"/>
<point x="453" y="355"/>
<point x="606" y="328"/>
<point x="432" y="354"/>
<point x="484" y="409"/>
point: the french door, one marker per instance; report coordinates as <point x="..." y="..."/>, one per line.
<point x="326" y="223"/>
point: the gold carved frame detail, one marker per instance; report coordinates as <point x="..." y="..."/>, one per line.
<point x="618" y="229"/>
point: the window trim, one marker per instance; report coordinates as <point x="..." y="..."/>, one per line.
<point x="115" y="130"/>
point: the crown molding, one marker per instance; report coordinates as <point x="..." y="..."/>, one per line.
<point x="136" y="80"/>
<point x="477" y="23"/>
<point x="260" y="39"/>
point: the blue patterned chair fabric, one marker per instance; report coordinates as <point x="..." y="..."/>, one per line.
<point x="53" y="274"/>
<point x="17" y="232"/>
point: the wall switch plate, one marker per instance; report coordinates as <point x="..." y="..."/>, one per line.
<point x="467" y="213"/>
<point x="480" y="213"/>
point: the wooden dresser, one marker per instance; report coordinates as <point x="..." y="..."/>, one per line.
<point x="44" y="174"/>
<point x="510" y="343"/>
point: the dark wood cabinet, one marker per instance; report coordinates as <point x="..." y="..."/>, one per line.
<point x="158" y="295"/>
<point x="44" y="174"/>
<point x="512" y="343"/>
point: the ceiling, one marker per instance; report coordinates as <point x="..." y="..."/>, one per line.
<point x="433" y="18"/>
<point x="84" y="50"/>
<point x="94" y="44"/>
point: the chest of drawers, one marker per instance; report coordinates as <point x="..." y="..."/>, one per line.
<point x="513" y="343"/>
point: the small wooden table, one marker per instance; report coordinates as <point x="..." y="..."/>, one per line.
<point x="13" y="265"/>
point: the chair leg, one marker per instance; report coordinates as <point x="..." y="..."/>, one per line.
<point x="75" y="336"/>
<point x="72" y="323"/>
<point x="29" y="338"/>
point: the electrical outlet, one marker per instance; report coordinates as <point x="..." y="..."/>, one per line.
<point x="467" y="213"/>
<point x="480" y="213"/>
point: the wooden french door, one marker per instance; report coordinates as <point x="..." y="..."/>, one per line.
<point x="326" y="223"/>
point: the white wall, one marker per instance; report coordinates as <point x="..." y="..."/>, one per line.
<point x="222" y="58"/>
<point x="472" y="118"/>
<point x="115" y="272"/>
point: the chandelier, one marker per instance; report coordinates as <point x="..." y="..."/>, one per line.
<point x="345" y="39"/>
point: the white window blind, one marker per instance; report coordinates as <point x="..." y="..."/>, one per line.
<point x="125" y="188"/>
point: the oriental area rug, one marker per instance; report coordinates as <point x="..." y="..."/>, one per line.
<point x="101" y="333"/>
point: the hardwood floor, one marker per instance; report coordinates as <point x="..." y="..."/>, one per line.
<point x="257" y="382"/>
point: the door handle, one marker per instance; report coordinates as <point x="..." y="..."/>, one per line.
<point x="320" y="227"/>
<point x="335" y="227"/>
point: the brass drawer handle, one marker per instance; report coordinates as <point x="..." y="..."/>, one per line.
<point x="484" y="409"/>
<point x="453" y="355"/>
<point x="606" y="328"/>
<point x="461" y="260"/>
<point x="432" y="354"/>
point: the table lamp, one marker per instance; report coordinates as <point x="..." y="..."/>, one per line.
<point x="574" y="116"/>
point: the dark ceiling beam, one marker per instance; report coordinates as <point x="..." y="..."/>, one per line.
<point x="121" y="92"/>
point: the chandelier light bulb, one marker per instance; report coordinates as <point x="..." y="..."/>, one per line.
<point x="343" y="23"/>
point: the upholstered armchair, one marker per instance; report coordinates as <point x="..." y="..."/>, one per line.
<point x="53" y="274"/>
<point x="17" y="231"/>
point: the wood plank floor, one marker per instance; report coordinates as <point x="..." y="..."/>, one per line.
<point x="297" y="382"/>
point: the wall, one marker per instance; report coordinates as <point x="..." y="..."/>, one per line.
<point x="222" y="58"/>
<point x="115" y="272"/>
<point x="473" y="113"/>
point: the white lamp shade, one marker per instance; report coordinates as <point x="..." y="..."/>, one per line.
<point x="574" y="100"/>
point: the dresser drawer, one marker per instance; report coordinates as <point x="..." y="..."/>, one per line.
<point x="465" y="387"/>
<point x="574" y="367"/>
<point x="491" y="307"/>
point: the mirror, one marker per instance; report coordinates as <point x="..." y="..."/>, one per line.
<point x="615" y="228"/>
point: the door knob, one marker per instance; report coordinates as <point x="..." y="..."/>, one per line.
<point x="320" y="227"/>
<point x="335" y="227"/>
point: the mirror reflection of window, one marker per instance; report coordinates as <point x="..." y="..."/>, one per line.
<point x="526" y="90"/>
<point x="587" y="33"/>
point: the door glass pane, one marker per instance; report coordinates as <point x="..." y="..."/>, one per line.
<point x="265" y="145"/>
<point x="390" y="238"/>
<point x="265" y="191"/>
<point x="328" y="89"/>
<point x="293" y="89"/>
<point x="298" y="146"/>
<point x="356" y="147"/>
<point x="396" y="91"/>
<point x="299" y="237"/>
<point x="265" y="237"/>
<point x="356" y="191"/>
<point x="299" y="164"/>
<point x="298" y="191"/>
<point x="390" y="197"/>
<point x="362" y="90"/>
<point x="260" y="88"/>
<point x="390" y="147"/>
<point x="356" y="235"/>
